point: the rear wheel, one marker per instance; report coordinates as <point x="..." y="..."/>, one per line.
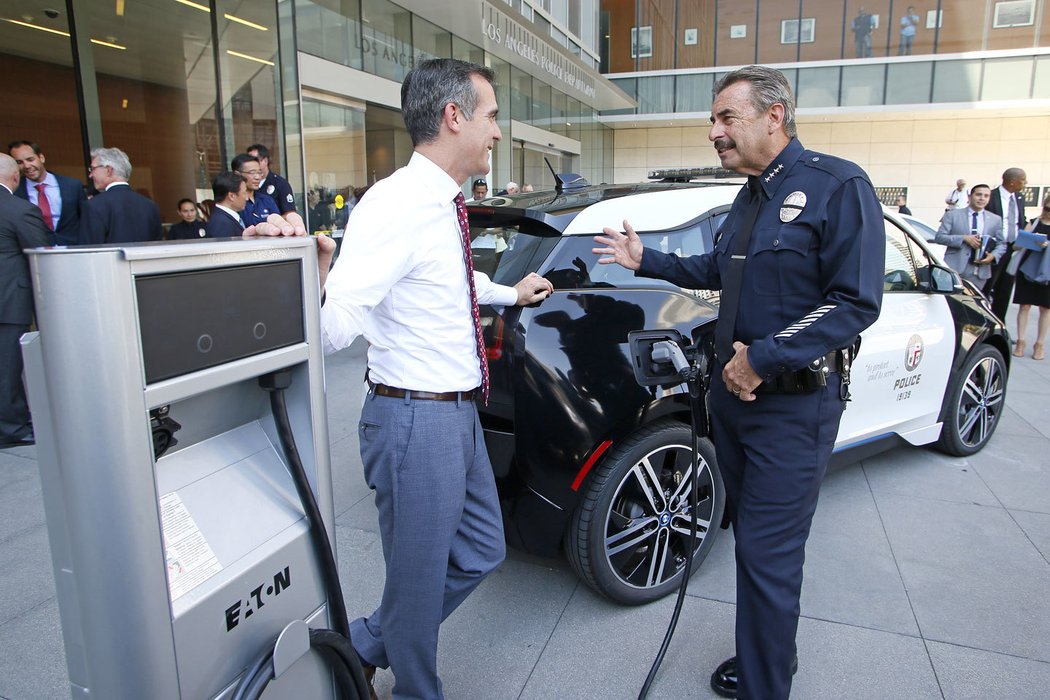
<point x="629" y="536"/>
<point x="975" y="403"/>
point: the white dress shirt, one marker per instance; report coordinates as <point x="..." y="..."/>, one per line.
<point x="401" y="281"/>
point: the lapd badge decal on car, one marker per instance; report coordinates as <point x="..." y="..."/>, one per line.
<point x="913" y="354"/>
<point x="792" y="206"/>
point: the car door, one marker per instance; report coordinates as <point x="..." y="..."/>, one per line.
<point x="899" y="377"/>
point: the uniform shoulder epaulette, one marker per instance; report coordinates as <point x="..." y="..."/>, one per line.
<point x="838" y="167"/>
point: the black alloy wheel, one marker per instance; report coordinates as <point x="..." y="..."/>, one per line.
<point x="629" y="536"/>
<point x="975" y="403"/>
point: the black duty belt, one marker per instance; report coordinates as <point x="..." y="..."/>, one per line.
<point x="392" y="391"/>
<point x="809" y="378"/>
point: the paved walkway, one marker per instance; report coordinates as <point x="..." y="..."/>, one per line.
<point x="926" y="577"/>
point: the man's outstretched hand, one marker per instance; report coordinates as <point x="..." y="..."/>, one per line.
<point x="621" y="248"/>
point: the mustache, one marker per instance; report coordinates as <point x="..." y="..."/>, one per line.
<point x="722" y="144"/>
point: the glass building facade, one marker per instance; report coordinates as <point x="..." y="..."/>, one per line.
<point x="185" y="85"/>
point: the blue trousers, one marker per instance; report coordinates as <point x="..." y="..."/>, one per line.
<point x="440" y="523"/>
<point x="773" y="454"/>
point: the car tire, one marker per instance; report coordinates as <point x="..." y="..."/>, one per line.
<point x="975" y="403"/>
<point x="627" y="540"/>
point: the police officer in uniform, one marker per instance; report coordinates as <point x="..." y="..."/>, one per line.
<point x="800" y="262"/>
<point x="273" y="185"/>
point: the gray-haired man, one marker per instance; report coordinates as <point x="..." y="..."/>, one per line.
<point x="117" y="214"/>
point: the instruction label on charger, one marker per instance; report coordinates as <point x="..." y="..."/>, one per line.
<point x="189" y="558"/>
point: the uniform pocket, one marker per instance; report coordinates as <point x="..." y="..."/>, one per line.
<point x="781" y="264"/>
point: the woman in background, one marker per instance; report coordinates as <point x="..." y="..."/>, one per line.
<point x="1028" y="293"/>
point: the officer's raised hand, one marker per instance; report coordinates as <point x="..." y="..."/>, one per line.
<point x="624" y="248"/>
<point x="738" y="375"/>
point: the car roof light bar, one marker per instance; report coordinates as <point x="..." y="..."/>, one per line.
<point x="687" y="174"/>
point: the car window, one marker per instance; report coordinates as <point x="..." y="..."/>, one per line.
<point x="575" y="266"/>
<point x="505" y="254"/>
<point x="900" y="275"/>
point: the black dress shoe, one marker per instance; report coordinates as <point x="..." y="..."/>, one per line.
<point x="19" y="442"/>
<point x="723" y="680"/>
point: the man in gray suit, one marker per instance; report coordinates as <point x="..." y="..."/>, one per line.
<point x="974" y="237"/>
<point x="21" y="226"/>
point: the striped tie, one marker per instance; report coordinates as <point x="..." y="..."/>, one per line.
<point x="464" y="228"/>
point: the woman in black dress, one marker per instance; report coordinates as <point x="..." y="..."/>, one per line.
<point x="1028" y="294"/>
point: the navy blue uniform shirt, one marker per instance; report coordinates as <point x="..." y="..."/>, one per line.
<point x="278" y="189"/>
<point x="813" y="278"/>
<point x="257" y="211"/>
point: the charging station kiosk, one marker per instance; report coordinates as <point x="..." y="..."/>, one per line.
<point x="180" y="549"/>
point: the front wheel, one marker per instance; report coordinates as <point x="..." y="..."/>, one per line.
<point x="629" y="536"/>
<point x="975" y="403"/>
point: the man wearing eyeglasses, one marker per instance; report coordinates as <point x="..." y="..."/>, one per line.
<point x="117" y="214"/>
<point x="259" y="205"/>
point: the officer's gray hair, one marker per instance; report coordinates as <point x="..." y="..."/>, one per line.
<point x="430" y="86"/>
<point x="113" y="158"/>
<point x="768" y="87"/>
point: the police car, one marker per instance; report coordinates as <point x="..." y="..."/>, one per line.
<point x="589" y="461"/>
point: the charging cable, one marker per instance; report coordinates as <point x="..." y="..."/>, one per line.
<point x="333" y="645"/>
<point x="670" y="351"/>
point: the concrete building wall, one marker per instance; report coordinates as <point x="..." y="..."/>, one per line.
<point x="925" y="154"/>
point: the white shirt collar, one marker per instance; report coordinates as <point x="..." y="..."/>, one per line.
<point x="229" y="211"/>
<point x="436" y="181"/>
<point x="116" y="184"/>
<point x="6" y="187"/>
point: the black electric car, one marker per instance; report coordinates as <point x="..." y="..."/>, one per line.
<point x="588" y="460"/>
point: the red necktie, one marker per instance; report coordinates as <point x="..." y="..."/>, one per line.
<point x="45" y="206"/>
<point x="464" y="228"/>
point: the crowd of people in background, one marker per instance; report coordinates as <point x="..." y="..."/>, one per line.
<point x="987" y="235"/>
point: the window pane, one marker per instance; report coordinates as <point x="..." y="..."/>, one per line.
<point x="331" y="30"/>
<point x="693" y="92"/>
<point x="656" y="94"/>
<point x="48" y="117"/>
<point x="520" y="95"/>
<point x="956" y="81"/>
<point x="386" y="39"/>
<point x="908" y="83"/>
<point x="248" y="54"/>
<point x="334" y="145"/>
<point x="863" y="85"/>
<point x="818" y="87"/>
<point x="430" y="41"/>
<point x="1007" y="79"/>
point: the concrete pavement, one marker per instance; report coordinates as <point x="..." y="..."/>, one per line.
<point x="927" y="577"/>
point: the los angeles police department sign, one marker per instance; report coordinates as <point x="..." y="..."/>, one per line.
<point x="500" y="29"/>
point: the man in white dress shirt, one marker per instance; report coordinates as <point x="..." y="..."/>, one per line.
<point x="403" y="283"/>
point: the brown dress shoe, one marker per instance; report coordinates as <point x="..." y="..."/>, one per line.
<point x="370" y="676"/>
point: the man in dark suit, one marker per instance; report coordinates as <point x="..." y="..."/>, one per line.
<point x="117" y="214"/>
<point x="189" y="227"/>
<point x="21" y="226"/>
<point x="230" y="192"/>
<point x="63" y="199"/>
<point x="1008" y="202"/>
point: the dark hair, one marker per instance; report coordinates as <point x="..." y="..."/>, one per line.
<point x="979" y="186"/>
<point x="238" y="162"/>
<point x="432" y="85"/>
<point x="480" y="182"/>
<point x="184" y="200"/>
<point x="768" y="87"/>
<point x="262" y="150"/>
<point x="225" y="183"/>
<point x="15" y="144"/>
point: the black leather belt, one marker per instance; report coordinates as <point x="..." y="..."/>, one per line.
<point x="392" y="391"/>
<point x="805" y="380"/>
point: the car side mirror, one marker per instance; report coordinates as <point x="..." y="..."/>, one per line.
<point x="940" y="280"/>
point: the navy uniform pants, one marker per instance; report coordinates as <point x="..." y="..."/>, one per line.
<point x="440" y="523"/>
<point x="773" y="453"/>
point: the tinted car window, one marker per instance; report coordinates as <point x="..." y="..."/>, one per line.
<point x="575" y="266"/>
<point x="506" y="255"/>
<point x="900" y="270"/>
